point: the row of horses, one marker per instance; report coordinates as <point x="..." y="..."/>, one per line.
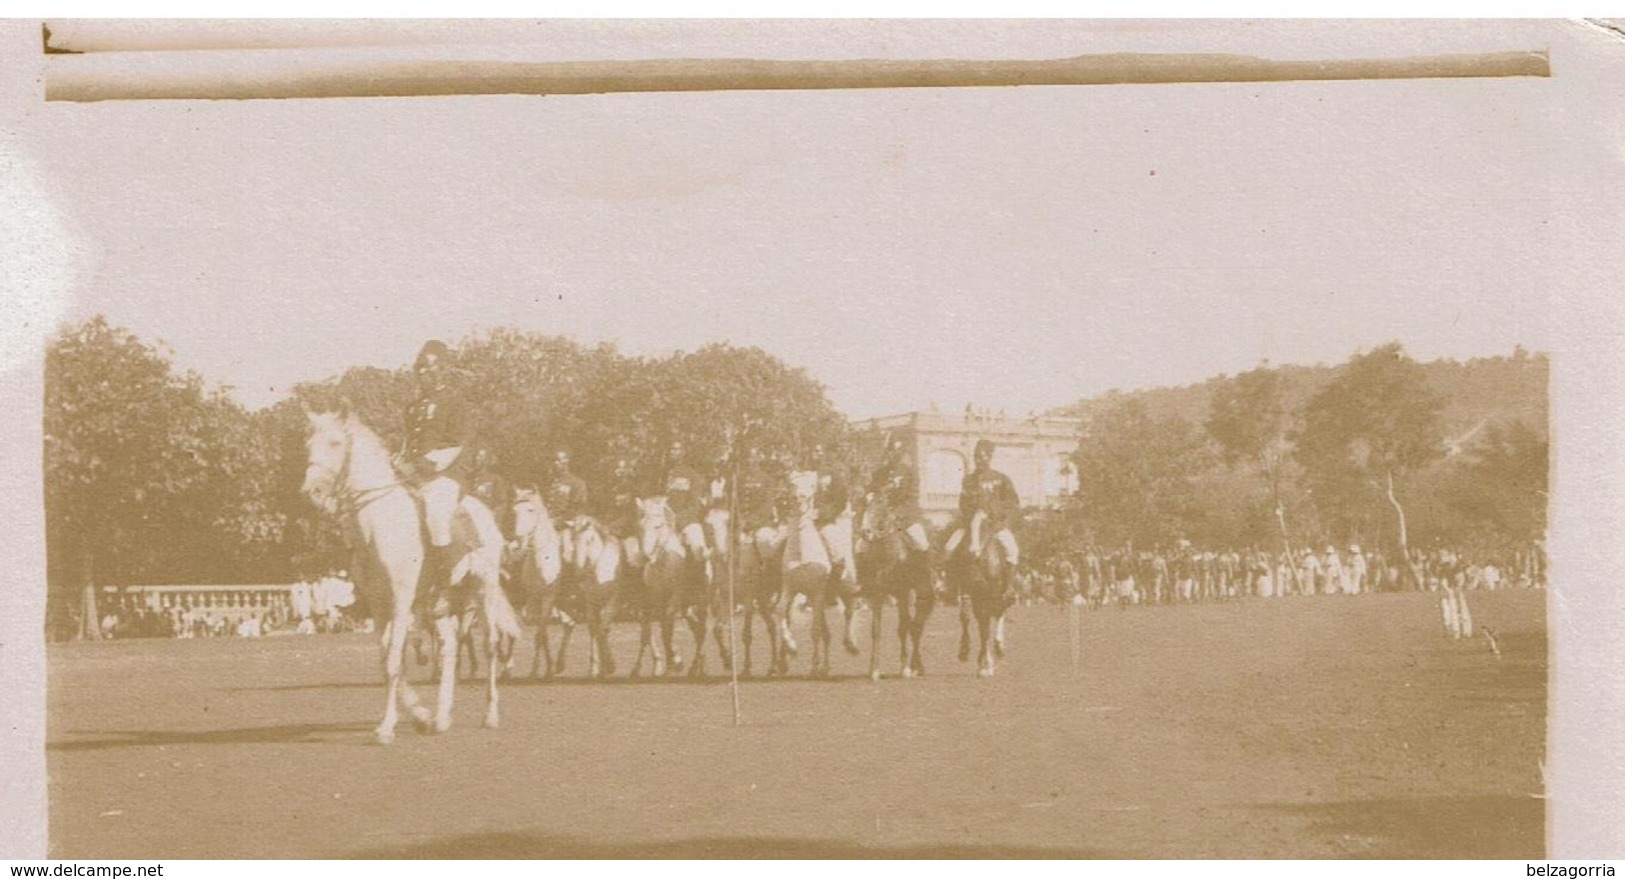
<point x="652" y="578"/>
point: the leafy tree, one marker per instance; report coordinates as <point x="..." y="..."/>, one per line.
<point x="1367" y="428"/>
<point x="143" y="468"/>
<point x="1136" y="475"/>
<point x="1248" y="420"/>
<point x="1501" y="492"/>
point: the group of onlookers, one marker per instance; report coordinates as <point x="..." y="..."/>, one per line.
<point x="1183" y="574"/>
<point x="309" y="607"/>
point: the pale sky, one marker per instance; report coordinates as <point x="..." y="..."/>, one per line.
<point x="1016" y="248"/>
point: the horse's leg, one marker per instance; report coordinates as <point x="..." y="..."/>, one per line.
<point x="544" y="647"/>
<point x="606" y="657"/>
<point x="984" y="663"/>
<point x="787" y="638"/>
<point x="964" y="626"/>
<point x="393" y="657"/>
<point x="748" y="621"/>
<point x="594" y="662"/>
<point x="493" y="639"/>
<point x="823" y="639"/>
<point x="668" y="651"/>
<point x="877" y="608"/>
<point x="849" y="636"/>
<point x="465" y="644"/>
<point x="568" y="624"/>
<point x="446" y="630"/>
<point x="924" y="602"/>
<point x="696" y="628"/>
<point x="905" y="628"/>
<point x="721" y="619"/>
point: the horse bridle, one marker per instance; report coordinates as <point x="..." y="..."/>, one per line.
<point x="346" y="499"/>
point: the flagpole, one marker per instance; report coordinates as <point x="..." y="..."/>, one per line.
<point x="733" y="563"/>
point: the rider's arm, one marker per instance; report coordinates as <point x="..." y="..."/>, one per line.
<point x="1009" y="499"/>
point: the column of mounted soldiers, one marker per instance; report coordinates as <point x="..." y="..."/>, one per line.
<point x="747" y="495"/>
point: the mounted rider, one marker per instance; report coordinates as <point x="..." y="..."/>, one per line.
<point x="684" y="489"/>
<point x="438" y="430"/>
<point x="762" y="495"/>
<point x="620" y="513"/>
<point x="487" y="483"/>
<point x="718" y="515"/>
<point x="566" y="500"/>
<point x="897" y="488"/>
<point x="832" y="504"/>
<point x="989" y="492"/>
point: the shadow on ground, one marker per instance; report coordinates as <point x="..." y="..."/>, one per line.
<point x="536" y="846"/>
<point x="290" y="734"/>
<point x="526" y="682"/>
<point x="1493" y="827"/>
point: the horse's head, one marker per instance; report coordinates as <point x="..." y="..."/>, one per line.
<point x="804" y="491"/>
<point x="529" y="511"/>
<point x="328" y="454"/>
<point x="654" y="522"/>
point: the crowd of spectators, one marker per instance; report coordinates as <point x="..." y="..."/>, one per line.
<point x="1096" y="576"/>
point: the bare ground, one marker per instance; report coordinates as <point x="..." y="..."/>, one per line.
<point x="1300" y="727"/>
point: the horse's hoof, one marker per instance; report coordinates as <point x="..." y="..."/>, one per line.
<point x="421" y="719"/>
<point x="492" y="721"/>
<point x="908" y="673"/>
<point x="441" y="725"/>
<point x="851" y="648"/>
<point x="384" y="736"/>
<point x="660" y="670"/>
<point x="984" y="672"/>
<point x="875" y="675"/>
<point x="998" y="649"/>
<point x="964" y="654"/>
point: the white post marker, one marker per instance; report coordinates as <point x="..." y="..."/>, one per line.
<point x="733" y="561"/>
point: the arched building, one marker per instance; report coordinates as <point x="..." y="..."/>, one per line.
<point x="1036" y="453"/>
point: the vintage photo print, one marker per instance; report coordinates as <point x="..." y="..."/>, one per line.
<point x="812" y="439"/>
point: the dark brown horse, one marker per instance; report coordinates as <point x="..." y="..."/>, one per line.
<point x="891" y="570"/>
<point x="978" y="573"/>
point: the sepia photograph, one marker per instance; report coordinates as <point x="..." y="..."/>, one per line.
<point x="848" y="439"/>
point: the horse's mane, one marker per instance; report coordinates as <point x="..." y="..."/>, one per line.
<point x="362" y="435"/>
<point x="666" y="511"/>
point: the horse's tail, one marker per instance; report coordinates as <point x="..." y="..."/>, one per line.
<point x="499" y="612"/>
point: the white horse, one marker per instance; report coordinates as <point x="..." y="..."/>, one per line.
<point x="541" y="568"/>
<point x="349" y="473"/>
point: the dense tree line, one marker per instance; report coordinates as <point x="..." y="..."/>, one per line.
<point x="1364" y="458"/>
<point x="152" y="476"/>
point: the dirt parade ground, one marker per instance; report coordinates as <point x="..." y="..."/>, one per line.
<point x="1338" y="726"/>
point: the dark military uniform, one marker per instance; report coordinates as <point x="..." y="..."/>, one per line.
<point x="896" y="486"/>
<point x="832" y="497"/>
<point x="682" y="487"/>
<point x="761" y="498"/>
<point x="619" y="513"/>
<point x="991" y="492"/>
<point x="566" y="498"/>
<point x="438" y="420"/>
<point x="496" y="493"/>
